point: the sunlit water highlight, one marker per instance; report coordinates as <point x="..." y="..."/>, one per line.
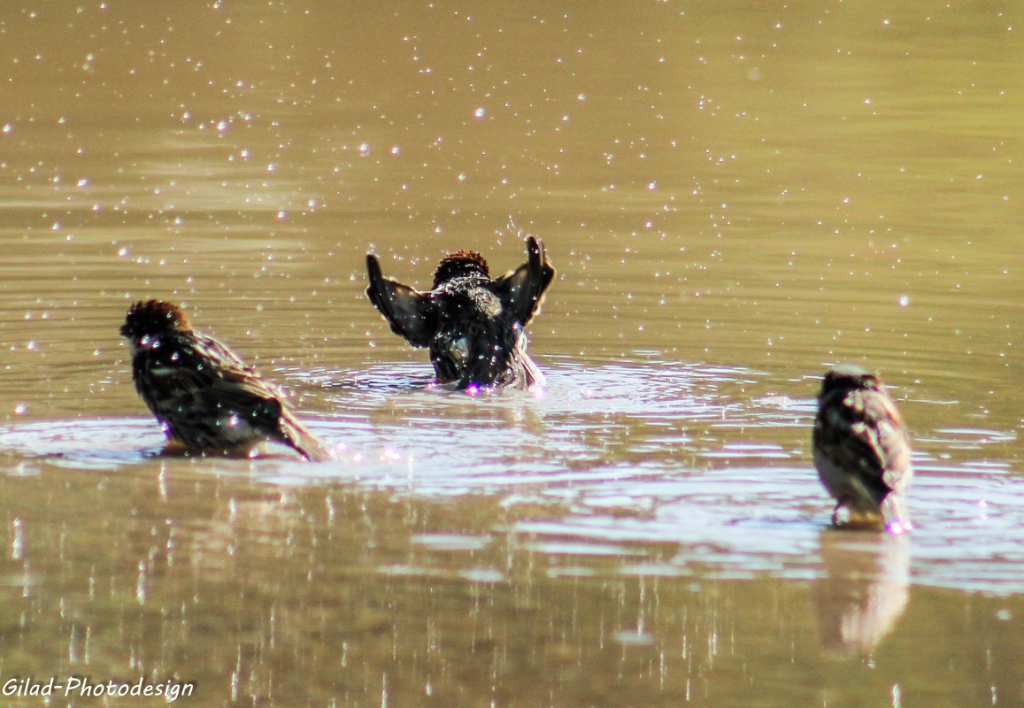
<point x="736" y="196"/>
<point x="622" y="454"/>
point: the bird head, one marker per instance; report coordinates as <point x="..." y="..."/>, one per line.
<point x="154" y="318"/>
<point x="461" y="264"/>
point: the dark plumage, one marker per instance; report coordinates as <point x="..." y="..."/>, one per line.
<point x="202" y="394"/>
<point x="473" y="326"/>
<point x="861" y="450"/>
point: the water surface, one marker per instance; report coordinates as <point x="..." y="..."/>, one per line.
<point x="735" y="197"/>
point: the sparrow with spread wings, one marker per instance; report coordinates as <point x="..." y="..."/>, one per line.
<point x="474" y="327"/>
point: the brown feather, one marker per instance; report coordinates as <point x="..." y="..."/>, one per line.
<point x="461" y="264"/>
<point x="861" y="448"/>
<point x="473" y="326"/>
<point x="203" y="395"/>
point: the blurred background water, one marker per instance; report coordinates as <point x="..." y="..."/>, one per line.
<point x="736" y="196"/>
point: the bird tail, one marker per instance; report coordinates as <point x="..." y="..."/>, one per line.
<point x="895" y="514"/>
<point x="295" y="435"/>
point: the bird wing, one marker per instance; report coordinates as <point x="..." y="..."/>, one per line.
<point x="235" y="384"/>
<point x="207" y="374"/>
<point x="195" y="384"/>
<point x="879" y="441"/>
<point x="892" y="443"/>
<point x="239" y="388"/>
<point x="521" y="290"/>
<point x="410" y="313"/>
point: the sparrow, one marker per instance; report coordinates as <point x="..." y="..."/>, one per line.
<point x="862" y="451"/>
<point x="203" y="396"/>
<point x="474" y="327"/>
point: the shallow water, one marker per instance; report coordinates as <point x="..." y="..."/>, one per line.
<point x="735" y="198"/>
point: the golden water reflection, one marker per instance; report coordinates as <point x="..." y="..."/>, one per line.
<point x="325" y="594"/>
<point x="736" y="195"/>
<point x="864" y="592"/>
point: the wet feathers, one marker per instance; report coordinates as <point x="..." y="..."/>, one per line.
<point x="861" y="449"/>
<point x="203" y="395"/>
<point x="473" y="326"/>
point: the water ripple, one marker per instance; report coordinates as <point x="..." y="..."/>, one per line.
<point x="622" y="454"/>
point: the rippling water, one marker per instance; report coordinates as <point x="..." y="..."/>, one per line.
<point x="621" y="453"/>
<point x="735" y="197"/>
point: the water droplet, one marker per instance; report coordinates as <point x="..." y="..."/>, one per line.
<point x="123" y="251"/>
<point x="479" y="113"/>
<point x="904" y="300"/>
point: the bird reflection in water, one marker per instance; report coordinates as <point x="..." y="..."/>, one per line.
<point x="864" y="592"/>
